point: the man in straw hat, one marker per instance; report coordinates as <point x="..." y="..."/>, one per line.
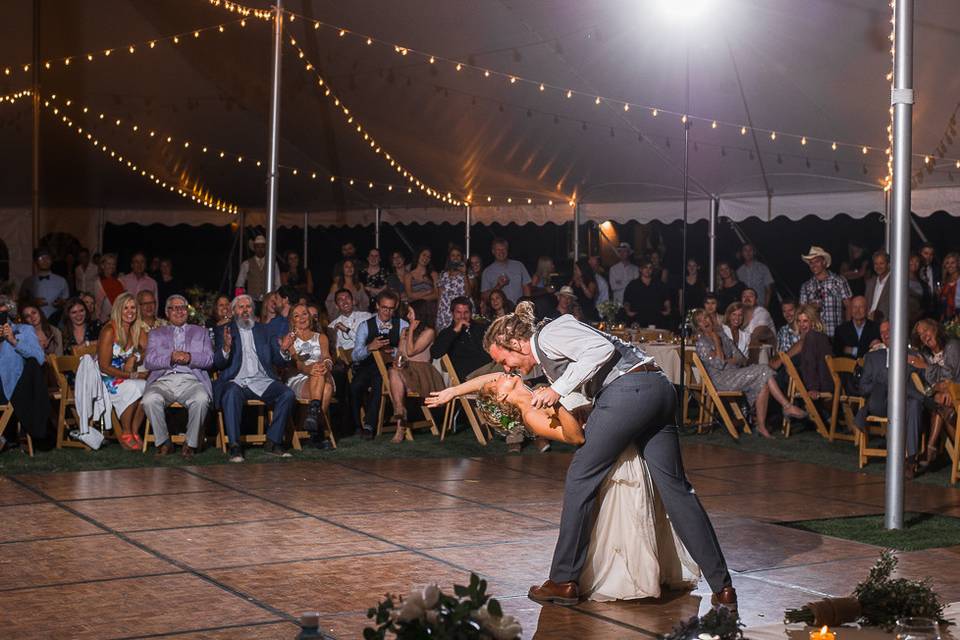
<point x="253" y="271"/>
<point x="828" y="291"/>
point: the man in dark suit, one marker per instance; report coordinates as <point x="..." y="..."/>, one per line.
<point x="930" y="274"/>
<point x="462" y="340"/>
<point x="246" y="354"/>
<point x="874" y="386"/>
<point x="854" y="337"/>
<point x="878" y="289"/>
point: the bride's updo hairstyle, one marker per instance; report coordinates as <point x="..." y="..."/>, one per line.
<point x="518" y="325"/>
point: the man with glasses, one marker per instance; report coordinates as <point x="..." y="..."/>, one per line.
<point x="379" y="333"/>
<point x="178" y="356"/>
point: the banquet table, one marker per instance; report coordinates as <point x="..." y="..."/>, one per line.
<point x="667" y="357"/>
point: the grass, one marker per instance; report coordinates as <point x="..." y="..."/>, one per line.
<point x="921" y="531"/>
<point x="806" y="445"/>
<point x="112" y="456"/>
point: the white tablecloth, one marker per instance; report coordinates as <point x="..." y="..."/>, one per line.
<point x="667" y="357"/>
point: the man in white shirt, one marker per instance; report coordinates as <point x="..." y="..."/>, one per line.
<point x="637" y="408"/>
<point x="755" y="275"/>
<point x="86" y="274"/>
<point x="622" y="273"/>
<point x="509" y="276"/>
<point x="345" y="325"/>
<point x="877" y="289"/>
<point x="758" y="324"/>
<point x="253" y="272"/>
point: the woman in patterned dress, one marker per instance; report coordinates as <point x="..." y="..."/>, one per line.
<point x="453" y="283"/>
<point x="373" y="276"/>
<point x="314" y="379"/>
<point x="729" y="371"/>
<point x="120" y="350"/>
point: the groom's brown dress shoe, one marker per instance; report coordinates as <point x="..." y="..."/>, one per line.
<point x="562" y="593"/>
<point x="726" y="597"/>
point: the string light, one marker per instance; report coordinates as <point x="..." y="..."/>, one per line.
<point x="243" y="10"/>
<point x="193" y="193"/>
<point x="13" y="97"/>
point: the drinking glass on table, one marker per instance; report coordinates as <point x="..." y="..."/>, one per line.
<point x="917" y="629"/>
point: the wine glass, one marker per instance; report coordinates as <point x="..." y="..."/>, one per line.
<point x="917" y="629"/>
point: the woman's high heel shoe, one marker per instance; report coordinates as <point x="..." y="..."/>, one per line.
<point x="401" y="431"/>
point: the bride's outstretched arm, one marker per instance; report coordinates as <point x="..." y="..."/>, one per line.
<point x="438" y="398"/>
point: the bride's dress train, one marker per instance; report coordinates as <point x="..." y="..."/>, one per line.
<point x="634" y="550"/>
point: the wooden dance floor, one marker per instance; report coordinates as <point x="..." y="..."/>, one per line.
<point x="238" y="551"/>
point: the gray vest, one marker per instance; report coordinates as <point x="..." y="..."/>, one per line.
<point x="625" y="357"/>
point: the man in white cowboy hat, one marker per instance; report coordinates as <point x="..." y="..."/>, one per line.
<point x="566" y="301"/>
<point x="828" y="291"/>
<point x="253" y="271"/>
<point x="622" y="273"/>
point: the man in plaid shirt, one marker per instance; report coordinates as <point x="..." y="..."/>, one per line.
<point x="786" y="336"/>
<point x="826" y="290"/>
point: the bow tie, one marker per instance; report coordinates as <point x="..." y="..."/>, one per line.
<point x="42" y="278"/>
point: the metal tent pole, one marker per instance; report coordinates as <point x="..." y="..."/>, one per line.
<point x="576" y="232"/>
<point x="306" y="236"/>
<point x="272" y="176"/>
<point x="466" y="236"/>
<point x="35" y="187"/>
<point x="712" y="241"/>
<point x="376" y="227"/>
<point x="902" y="101"/>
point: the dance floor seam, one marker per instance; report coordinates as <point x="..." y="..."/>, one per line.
<point x="316" y="542"/>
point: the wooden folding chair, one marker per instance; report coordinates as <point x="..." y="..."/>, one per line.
<point x="385" y="395"/>
<point x="6" y="413"/>
<point x="952" y="435"/>
<point x="259" y="437"/>
<point x="148" y="436"/>
<point x="301" y="434"/>
<point x="721" y="400"/>
<point x="841" y="400"/>
<point x="468" y="411"/>
<point x="692" y="386"/>
<point x="62" y="394"/>
<point x="85" y="350"/>
<point x="346" y="356"/>
<point x="797" y="388"/>
<point x="877" y="426"/>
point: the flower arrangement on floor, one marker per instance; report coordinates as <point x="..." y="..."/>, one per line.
<point x="470" y="614"/>
<point x="878" y="601"/>
<point x="716" y="624"/>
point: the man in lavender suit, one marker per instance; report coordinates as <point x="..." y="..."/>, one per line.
<point x="178" y="356"/>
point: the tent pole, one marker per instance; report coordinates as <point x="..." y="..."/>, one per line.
<point x="466" y="237"/>
<point x="902" y="100"/>
<point x="712" y="241"/>
<point x="683" y="244"/>
<point x="100" y="224"/>
<point x="306" y="236"/>
<point x="35" y="189"/>
<point x="274" y="142"/>
<point x="376" y="227"/>
<point x="242" y="231"/>
<point x="576" y="232"/>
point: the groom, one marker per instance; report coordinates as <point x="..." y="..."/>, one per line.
<point x="633" y="403"/>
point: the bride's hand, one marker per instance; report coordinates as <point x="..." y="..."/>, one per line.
<point x="544" y="397"/>
<point x="438" y="398"/>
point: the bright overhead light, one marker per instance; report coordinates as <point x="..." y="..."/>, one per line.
<point x="682" y="10"/>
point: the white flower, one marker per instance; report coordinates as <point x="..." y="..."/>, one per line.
<point x="413" y="607"/>
<point x="431" y="596"/>
<point x="503" y="628"/>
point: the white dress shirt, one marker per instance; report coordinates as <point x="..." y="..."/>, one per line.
<point x="251" y="374"/>
<point x="760" y="318"/>
<point x="347" y="340"/>
<point x="620" y="276"/>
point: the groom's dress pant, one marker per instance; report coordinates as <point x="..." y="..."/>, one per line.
<point x="637" y="408"/>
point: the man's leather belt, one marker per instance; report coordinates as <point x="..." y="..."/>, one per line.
<point x="646" y="367"/>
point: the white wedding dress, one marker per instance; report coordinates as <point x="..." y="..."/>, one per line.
<point x="634" y="550"/>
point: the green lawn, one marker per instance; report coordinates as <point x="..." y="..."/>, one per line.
<point x="921" y="531"/>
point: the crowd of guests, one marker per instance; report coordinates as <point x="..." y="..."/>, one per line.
<point x="302" y="342"/>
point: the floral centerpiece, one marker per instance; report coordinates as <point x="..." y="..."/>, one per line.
<point x="200" y="304"/>
<point x="609" y="310"/>
<point x="469" y="614"/>
<point x="878" y="601"/>
<point x="952" y="328"/>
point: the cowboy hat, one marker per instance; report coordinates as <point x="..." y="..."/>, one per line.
<point x="566" y="291"/>
<point x="817" y="252"/>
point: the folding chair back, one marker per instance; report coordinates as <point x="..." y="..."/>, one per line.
<point x="85" y="350"/>
<point x="468" y="411"/>
<point x="841" y="400"/>
<point x="428" y="422"/>
<point x="797" y="388"/>
<point x="693" y="385"/>
<point x="6" y="413"/>
<point x="62" y="394"/>
<point x="717" y="399"/>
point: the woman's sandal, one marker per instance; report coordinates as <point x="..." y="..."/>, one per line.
<point x="794" y="411"/>
<point x="129" y="442"/>
<point x="401" y="430"/>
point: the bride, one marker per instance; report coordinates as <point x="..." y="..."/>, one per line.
<point x="633" y="550"/>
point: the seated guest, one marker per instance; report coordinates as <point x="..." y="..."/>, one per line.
<point x="349" y="279"/>
<point x="46" y="289"/>
<point x="221" y="314"/>
<point x="645" y="300"/>
<point x="349" y="319"/>
<point x="877" y="287"/>
<point x="811" y="350"/>
<point x="379" y="333"/>
<point x="178" y="356"/>
<point x="584" y="285"/>
<point x="108" y="288"/>
<point x="286" y="297"/>
<point x="787" y="335"/>
<point x="498" y="304"/>
<point x="246" y="354"/>
<point x="22" y="383"/>
<point x="566" y="302"/>
<point x="413" y="370"/>
<point x="90" y="302"/>
<point x="137" y="279"/>
<point x="78" y="330"/>
<point x="120" y="349"/>
<point x="294" y="274"/>
<point x="268" y="309"/>
<point x="711" y="307"/>
<point x="856" y="336"/>
<point x="873" y="386"/>
<point x="729" y="288"/>
<point x="733" y="328"/>
<point x="49" y="337"/>
<point x="729" y="371"/>
<point x="313" y="379"/>
<point x="939" y="365"/>
<point x="758" y="323"/>
<point x="542" y="280"/>
<point x="462" y="340"/>
<point x="452" y="283"/>
<point x="147" y="301"/>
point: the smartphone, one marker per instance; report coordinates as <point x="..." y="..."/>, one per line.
<point x="4" y="318"/>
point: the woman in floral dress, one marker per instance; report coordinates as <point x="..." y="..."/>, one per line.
<point x="120" y="350"/>
<point x="453" y="283"/>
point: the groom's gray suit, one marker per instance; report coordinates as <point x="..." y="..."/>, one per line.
<point x="633" y="403"/>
